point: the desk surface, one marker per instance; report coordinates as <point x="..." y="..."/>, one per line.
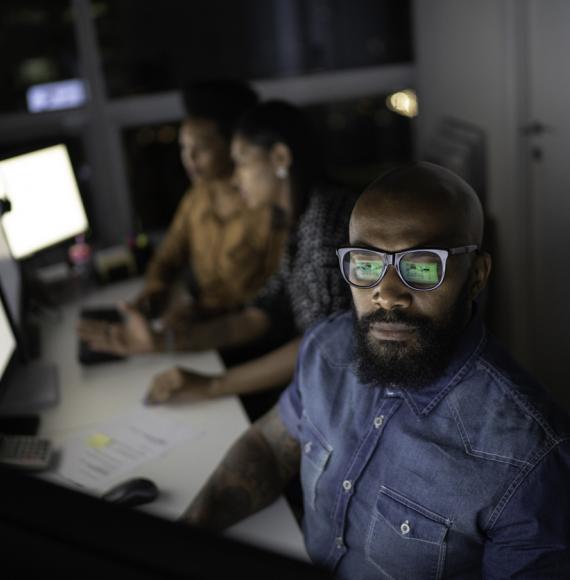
<point x="98" y="393"/>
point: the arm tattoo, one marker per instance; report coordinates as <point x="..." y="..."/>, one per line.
<point x="250" y="477"/>
<point x="284" y="447"/>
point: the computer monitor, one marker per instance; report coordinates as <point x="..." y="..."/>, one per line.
<point x="7" y="342"/>
<point x="24" y="387"/>
<point x="10" y="280"/>
<point x="46" y="206"/>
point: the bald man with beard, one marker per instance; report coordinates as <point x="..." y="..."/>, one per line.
<point x="424" y="451"/>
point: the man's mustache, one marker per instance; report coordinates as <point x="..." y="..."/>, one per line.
<point x="392" y="316"/>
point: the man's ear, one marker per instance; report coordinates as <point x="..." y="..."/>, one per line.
<point x="281" y="157"/>
<point x="480" y="272"/>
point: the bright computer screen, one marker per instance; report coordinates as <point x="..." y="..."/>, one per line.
<point x="24" y="387"/>
<point x="10" y="279"/>
<point x="7" y="340"/>
<point x="46" y="204"/>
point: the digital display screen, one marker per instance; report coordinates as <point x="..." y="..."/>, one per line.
<point x="45" y="199"/>
<point x="56" y="96"/>
<point x="420" y="272"/>
<point x="7" y="340"/>
<point x="10" y="279"/>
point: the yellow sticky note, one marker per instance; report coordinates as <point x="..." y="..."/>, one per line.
<point x="98" y="440"/>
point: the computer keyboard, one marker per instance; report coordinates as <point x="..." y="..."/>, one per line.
<point x="25" y="452"/>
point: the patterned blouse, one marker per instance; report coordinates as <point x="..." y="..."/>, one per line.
<point x="308" y="285"/>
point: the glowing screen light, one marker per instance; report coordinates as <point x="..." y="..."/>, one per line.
<point x="56" y="96"/>
<point x="46" y="204"/>
<point x="7" y="340"/>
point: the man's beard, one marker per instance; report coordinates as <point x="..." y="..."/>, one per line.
<point x="406" y="365"/>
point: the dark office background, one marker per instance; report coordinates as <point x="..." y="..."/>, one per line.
<point x="148" y="48"/>
<point x="360" y="138"/>
<point x="497" y="67"/>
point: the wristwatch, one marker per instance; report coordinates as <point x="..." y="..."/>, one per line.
<point x="157" y="325"/>
<point x="163" y="336"/>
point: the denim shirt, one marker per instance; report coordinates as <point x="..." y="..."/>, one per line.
<point x="468" y="477"/>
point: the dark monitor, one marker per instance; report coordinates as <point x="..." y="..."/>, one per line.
<point x="25" y="387"/>
<point x="51" y="530"/>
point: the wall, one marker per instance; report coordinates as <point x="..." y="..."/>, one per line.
<point x="467" y="67"/>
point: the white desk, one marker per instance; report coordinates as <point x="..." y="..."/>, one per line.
<point x="98" y="393"/>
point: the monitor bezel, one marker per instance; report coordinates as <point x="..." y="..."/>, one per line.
<point x="15" y="357"/>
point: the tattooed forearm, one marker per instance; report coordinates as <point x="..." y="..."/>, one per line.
<point x="251" y="476"/>
<point x="284" y="448"/>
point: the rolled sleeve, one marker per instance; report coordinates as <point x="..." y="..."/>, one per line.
<point x="531" y="537"/>
<point x="290" y="404"/>
<point x="288" y="407"/>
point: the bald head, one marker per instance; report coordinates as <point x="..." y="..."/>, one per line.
<point x="422" y="196"/>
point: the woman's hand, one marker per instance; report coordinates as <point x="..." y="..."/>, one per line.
<point x="133" y="336"/>
<point x="174" y="382"/>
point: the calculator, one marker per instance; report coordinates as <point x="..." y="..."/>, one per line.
<point x="25" y="452"/>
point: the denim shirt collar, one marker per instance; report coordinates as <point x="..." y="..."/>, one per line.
<point x="422" y="401"/>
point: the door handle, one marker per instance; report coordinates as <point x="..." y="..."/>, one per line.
<point x="535" y="128"/>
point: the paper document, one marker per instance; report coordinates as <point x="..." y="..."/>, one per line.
<point x="94" y="457"/>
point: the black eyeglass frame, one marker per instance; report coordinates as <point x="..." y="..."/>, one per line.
<point x="393" y="259"/>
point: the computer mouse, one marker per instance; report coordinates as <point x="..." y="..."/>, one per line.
<point x="132" y="492"/>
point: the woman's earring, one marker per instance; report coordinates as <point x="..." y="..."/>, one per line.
<point x="282" y="172"/>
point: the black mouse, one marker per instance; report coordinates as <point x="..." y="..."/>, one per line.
<point x="132" y="492"/>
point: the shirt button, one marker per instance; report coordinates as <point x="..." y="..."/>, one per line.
<point x="405" y="527"/>
<point x="339" y="543"/>
<point x="379" y="421"/>
<point x="347" y="485"/>
<point x="308" y="446"/>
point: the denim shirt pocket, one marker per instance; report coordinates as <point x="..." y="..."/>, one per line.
<point x="406" y="540"/>
<point x="315" y="455"/>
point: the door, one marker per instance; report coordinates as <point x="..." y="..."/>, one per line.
<point x="548" y="137"/>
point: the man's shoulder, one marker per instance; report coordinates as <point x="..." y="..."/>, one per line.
<point x="500" y="400"/>
<point x="332" y="339"/>
<point x="195" y="197"/>
<point x="186" y="200"/>
<point x="211" y="190"/>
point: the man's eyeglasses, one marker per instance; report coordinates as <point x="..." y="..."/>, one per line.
<point x="420" y="269"/>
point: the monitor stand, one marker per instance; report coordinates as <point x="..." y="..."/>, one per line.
<point x="30" y="387"/>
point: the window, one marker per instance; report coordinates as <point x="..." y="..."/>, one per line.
<point x="149" y="47"/>
<point x="38" y="46"/>
<point x="156" y="178"/>
<point x="359" y="138"/>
